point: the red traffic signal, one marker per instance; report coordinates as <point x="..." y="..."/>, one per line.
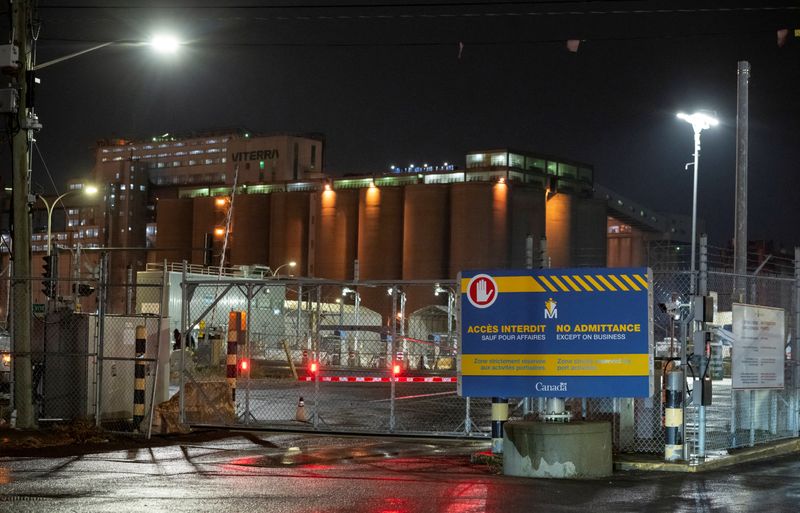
<point x="313" y="367"/>
<point x="244" y="366"/>
<point x="396" y="369"/>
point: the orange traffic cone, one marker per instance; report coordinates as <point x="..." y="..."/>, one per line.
<point x="300" y="415"/>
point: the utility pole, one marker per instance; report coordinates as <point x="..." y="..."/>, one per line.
<point x="21" y="142"/>
<point x="740" y="234"/>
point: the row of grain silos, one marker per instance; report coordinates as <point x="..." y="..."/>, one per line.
<point x="412" y="232"/>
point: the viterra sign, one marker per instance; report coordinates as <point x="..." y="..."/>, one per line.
<point x="556" y="333"/>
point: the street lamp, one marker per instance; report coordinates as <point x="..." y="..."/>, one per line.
<point x="88" y="190"/>
<point x="274" y="273"/>
<point x="700" y="120"/>
<point x="164" y="44"/>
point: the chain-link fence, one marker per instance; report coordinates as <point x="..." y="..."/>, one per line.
<point x="381" y="357"/>
<point x="376" y="357"/>
<point x="86" y="364"/>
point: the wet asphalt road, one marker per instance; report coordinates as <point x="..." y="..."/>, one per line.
<point x="308" y="473"/>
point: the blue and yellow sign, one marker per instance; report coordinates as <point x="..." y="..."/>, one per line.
<point x="556" y="333"/>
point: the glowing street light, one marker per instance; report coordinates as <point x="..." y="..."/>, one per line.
<point x="164" y="43"/>
<point x="701" y="120"/>
<point x="291" y="264"/>
<point x="89" y="190"/>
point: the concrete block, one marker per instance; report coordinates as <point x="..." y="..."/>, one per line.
<point x="557" y="450"/>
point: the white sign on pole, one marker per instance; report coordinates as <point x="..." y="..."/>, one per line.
<point x="757" y="362"/>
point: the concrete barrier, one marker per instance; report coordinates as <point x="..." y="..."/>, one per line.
<point x="557" y="450"/>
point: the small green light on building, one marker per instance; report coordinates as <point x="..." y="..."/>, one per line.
<point x="261" y="164"/>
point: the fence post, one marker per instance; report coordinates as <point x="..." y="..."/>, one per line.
<point x="248" y="355"/>
<point x="796" y="341"/>
<point x="184" y="321"/>
<point x="101" y="328"/>
<point x="390" y="358"/>
<point x="702" y="290"/>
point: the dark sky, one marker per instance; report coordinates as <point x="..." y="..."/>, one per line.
<point x="386" y="85"/>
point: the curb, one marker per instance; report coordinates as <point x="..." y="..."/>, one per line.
<point x="747" y="455"/>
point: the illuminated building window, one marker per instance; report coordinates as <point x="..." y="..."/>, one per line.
<point x="567" y="171"/>
<point x="476" y="160"/>
<point x="176" y="163"/>
<point x="499" y="159"/>
<point x="515" y="160"/>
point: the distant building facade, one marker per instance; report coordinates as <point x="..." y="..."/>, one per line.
<point x="170" y="198"/>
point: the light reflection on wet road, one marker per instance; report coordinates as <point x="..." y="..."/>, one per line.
<point x="313" y="474"/>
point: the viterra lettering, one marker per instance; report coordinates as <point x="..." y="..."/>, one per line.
<point x="241" y="156"/>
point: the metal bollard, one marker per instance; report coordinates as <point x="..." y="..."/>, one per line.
<point x="673" y="417"/>
<point x="234" y="323"/>
<point x="499" y="417"/>
<point x="139" y="370"/>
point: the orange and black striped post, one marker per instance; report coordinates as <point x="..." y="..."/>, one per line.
<point x="139" y="377"/>
<point x="234" y="321"/>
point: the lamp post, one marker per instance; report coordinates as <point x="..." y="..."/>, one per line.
<point x="700" y="121"/>
<point x="89" y="190"/>
<point x="274" y="273"/>
<point x="22" y="12"/>
<point x="357" y="297"/>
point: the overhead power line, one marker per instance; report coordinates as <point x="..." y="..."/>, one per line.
<point x="435" y="9"/>
<point x="447" y="43"/>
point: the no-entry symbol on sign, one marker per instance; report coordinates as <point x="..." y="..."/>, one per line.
<point x="482" y="291"/>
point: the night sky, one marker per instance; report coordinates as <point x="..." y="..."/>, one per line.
<point x="387" y="86"/>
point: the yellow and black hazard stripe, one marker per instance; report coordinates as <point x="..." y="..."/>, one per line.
<point x="572" y="282"/>
<point x="139" y="376"/>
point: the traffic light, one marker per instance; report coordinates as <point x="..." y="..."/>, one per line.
<point x="244" y="367"/>
<point x="49" y="264"/>
<point x="82" y="289"/>
<point x="313" y="367"/>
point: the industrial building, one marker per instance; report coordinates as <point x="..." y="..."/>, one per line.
<point x="267" y="200"/>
